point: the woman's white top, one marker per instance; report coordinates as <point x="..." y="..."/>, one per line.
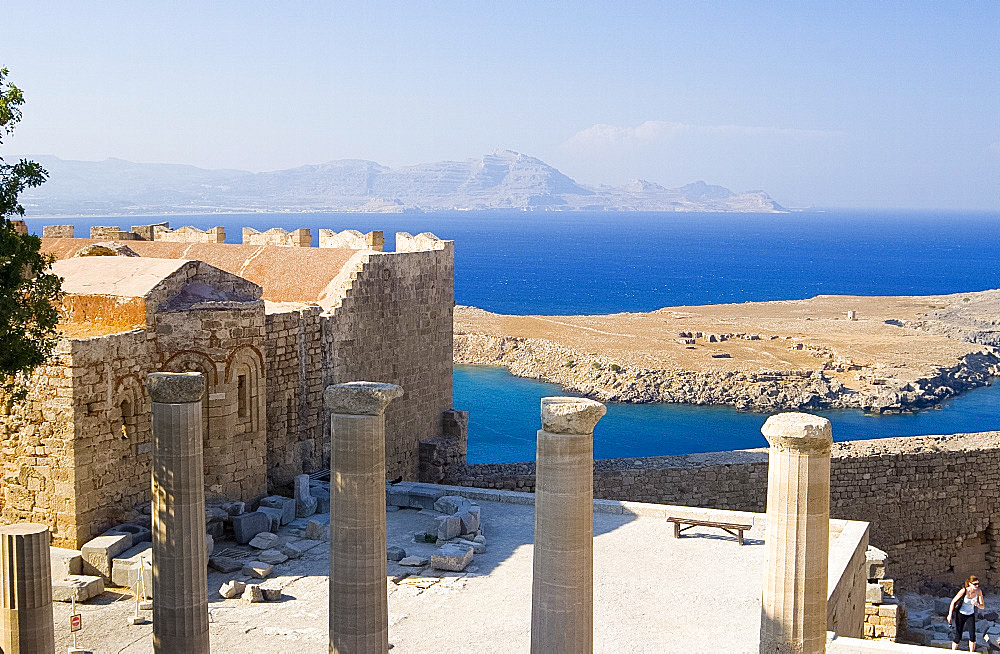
<point x="968" y="606"/>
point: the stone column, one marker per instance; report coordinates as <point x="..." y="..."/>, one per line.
<point x="359" y="614"/>
<point x="26" y="624"/>
<point x="180" y="561"/>
<point x="562" y="586"/>
<point x="797" y="538"/>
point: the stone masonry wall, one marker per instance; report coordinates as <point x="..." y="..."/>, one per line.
<point x="297" y="438"/>
<point x="931" y="500"/>
<point x="58" y="231"/>
<point x="37" y="471"/>
<point x="188" y="235"/>
<point x="112" y="430"/>
<point x="394" y="324"/>
<point x="276" y="236"/>
<point x="227" y="346"/>
<point x="351" y="239"/>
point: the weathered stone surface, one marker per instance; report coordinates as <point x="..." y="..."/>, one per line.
<point x="234" y="508"/>
<point x="318" y="528"/>
<point x="413" y="561"/>
<point x="98" y="553"/>
<point x="448" y="527"/>
<point x="286" y="504"/>
<point x="82" y="587"/>
<point x="874" y="593"/>
<point x="424" y="497"/>
<point x="275" y="516"/>
<point x="232" y="589"/>
<point x="360" y="398"/>
<point x="452" y="557"/>
<point x="257" y="569"/>
<point x="252" y="594"/>
<point x="124" y="565"/>
<point x="270" y="593"/>
<point x="305" y="503"/>
<point x="394" y="553"/>
<point x="248" y="525"/>
<point x="139" y="533"/>
<point x="274" y="557"/>
<point x="470" y="520"/>
<point x="570" y="415"/>
<point x="65" y="562"/>
<point x="225" y="563"/>
<point x="875" y="560"/>
<point x="798" y="432"/>
<point x="175" y="387"/>
<point x="478" y="548"/>
<point x="264" y="540"/>
<point x="451" y="504"/>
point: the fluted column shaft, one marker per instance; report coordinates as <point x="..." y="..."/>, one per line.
<point x="797" y="538"/>
<point x="359" y="613"/>
<point x="25" y="590"/>
<point x="562" y="586"/>
<point x="180" y="562"/>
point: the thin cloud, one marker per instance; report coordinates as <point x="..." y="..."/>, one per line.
<point x="602" y="135"/>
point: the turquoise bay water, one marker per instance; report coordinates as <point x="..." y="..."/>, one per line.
<point x="503" y="419"/>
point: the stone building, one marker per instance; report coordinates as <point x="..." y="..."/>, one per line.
<point x="270" y="327"/>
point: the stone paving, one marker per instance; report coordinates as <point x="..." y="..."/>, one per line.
<point x="652" y="593"/>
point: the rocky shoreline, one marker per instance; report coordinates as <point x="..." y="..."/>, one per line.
<point x="606" y="379"/>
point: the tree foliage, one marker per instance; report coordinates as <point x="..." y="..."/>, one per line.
<point x="28" y="293"/>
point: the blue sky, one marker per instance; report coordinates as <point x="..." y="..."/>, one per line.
<point x="873" y="104"/>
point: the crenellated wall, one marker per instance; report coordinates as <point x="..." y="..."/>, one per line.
<point x="301" y="238"/>
<point x="351" y="239"/>
<point x="58" y="231"/>
<point x="186" y="234"/>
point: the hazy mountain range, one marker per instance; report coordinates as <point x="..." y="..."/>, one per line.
<point x="502" y="180"/>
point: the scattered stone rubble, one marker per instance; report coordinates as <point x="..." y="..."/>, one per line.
<point x="456" y="526"/>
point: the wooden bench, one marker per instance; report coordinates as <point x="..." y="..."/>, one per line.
<point x="728" y="527"/>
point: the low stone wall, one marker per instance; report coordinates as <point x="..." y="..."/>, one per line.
<point x="186" y="234"/>
<point x="58" y="231"/>
<point x="928" y="498"/>
<point x="351" y="239"/>
<point x="301" y="238"/>
<point x="112" y="233"/>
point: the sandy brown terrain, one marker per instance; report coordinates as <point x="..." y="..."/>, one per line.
<point x="898" y="352"/>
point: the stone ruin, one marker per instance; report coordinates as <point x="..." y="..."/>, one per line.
<point x="268" y="326"/>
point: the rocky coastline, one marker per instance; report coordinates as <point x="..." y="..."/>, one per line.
<point x="605" y="379"/>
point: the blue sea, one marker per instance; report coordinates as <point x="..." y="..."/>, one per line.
<point x="570" y="263"/>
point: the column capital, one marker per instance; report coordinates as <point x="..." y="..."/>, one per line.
<point x="801" y="433"/>
<point x="360" y="398"/>
<point x="175" y="387"/>
<point x="570" y="415"/>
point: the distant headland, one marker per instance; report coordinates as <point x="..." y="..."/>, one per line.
<point x="503" y="180"/>
<point x="886" y="354"/>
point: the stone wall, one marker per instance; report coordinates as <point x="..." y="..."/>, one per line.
<point x="393" y="323"/>
<point x="106" y="233"/>
<point x="297" y="436"/>
<point x="276" y="236"/>
<point x="37" y="469"/>
<point x="112" y="430"/>
<point x="390" y="320"/>
<point x="186" y="234"/>
<point x="58" y="231"/>
<point x="351" y="239"/>
<point x="925" y="496"/>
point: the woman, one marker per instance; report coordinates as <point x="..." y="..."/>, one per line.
<point x="965" y="616"/>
